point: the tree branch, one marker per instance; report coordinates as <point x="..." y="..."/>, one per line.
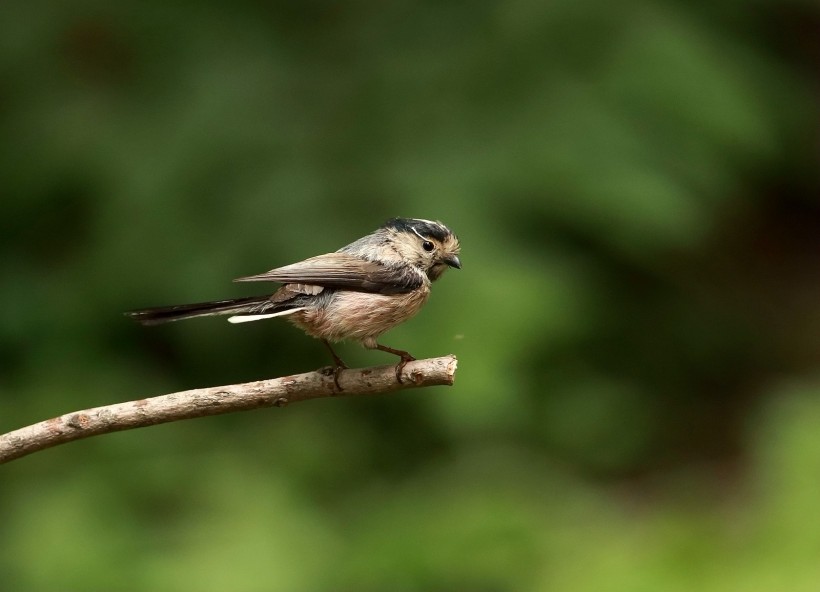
<point x="276" y="392"/>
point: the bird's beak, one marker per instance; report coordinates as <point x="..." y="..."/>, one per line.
<point x="452" y="261"/>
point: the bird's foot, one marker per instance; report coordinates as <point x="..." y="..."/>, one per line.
<point x="334" y="371"/>
<point x="338" y="365"/>
<point x="400" y="366"/>
<point x="405" y="357"/>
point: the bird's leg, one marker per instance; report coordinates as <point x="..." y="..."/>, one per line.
<point x="337" y="361"/>
<point x="405" y="357"/>
<point x="338" y="364"/>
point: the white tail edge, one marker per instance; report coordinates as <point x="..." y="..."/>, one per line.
<point x="259" y="317"/>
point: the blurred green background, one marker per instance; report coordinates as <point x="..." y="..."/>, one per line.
<point x="635" y="186"/>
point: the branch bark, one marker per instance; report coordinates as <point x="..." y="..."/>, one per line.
<point x="276" y="392"/>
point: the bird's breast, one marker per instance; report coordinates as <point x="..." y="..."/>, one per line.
<point x="360" y="315"/>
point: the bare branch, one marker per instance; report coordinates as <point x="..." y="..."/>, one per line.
<point x="276" y="392"/>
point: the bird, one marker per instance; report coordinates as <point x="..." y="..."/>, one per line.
<point x="356" y="293"/>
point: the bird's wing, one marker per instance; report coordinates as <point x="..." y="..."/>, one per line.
<point x="343" y="271"/>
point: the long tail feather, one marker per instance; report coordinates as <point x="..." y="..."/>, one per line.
<point x="166" y="314"/>
<point x="247" y="318"/>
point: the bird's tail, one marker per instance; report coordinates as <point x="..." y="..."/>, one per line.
<point x="166" y="314"/>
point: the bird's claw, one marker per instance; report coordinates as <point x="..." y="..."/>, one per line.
<point x="400" y="366"/>
<point x="334" y="371"/>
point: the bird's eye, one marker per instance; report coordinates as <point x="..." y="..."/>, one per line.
<point x="427" y="246"/>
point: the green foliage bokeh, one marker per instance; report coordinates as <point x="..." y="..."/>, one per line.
<point x="635" y="189"/>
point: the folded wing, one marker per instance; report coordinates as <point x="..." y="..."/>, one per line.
<point x="346" y="272"/>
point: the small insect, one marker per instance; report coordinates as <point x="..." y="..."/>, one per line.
<point x="357" y="293"/>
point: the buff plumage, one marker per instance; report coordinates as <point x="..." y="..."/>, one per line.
<point x="357" y="293"/>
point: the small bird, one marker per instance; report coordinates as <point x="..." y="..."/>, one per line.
<point x="359" y="292"/>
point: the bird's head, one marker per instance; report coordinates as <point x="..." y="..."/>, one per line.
<point x="428" y="245"/>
